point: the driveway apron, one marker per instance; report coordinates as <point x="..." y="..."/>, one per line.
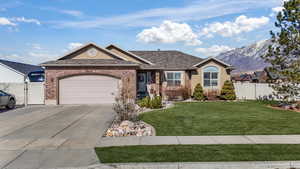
<point x="52" y="136"/>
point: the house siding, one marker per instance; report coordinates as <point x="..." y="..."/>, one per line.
<point x="9" y="75"/>
<point x="84" y="54"/>
<point x="197" y="77"/>
<point x="127" y="57"/>
<point x="54" y="74"/>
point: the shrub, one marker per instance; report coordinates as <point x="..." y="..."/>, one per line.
<point x="212" y="94"/>
<point x="198" y="92"/>
<point x="177" y="93"/>
<point x="227" y="92"/>
<point x="156" y="102"/>
<point x="298" y="106"/>
<point x="145" y="102"/>
<point x="185" y="93"/>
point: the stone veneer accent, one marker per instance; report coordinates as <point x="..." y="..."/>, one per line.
<point x="54" y="74"/>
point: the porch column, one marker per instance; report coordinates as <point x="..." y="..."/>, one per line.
<point x="157" y="82"/>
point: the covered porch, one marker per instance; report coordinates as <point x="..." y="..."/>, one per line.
<point x="148" y="83"/>
<point x="165" y="83"/>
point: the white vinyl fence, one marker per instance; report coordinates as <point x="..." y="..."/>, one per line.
<point x="253" y="91"/>
<point x="32" y="93"/>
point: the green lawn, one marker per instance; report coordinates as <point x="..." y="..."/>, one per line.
<point x="222" y="118"/>
<point x="199" y="153"/>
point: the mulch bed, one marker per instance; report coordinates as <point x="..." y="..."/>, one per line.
<point x="280" y="108"/>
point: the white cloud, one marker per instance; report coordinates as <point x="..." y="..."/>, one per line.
<point x="240" y="25"/>
<point x="276" y="10"/>
<point x="35" y="46"/>
<point x="72" y="12"/>
<point x="6" y="21"/>
<point x="30" y="57"/>
<point x="213" y="50"/>
<point x="170" y="32"/>
<point x="74" y="45"/>
<point x="42" y="54"/>
<point x="13" y="21"/>
<point x="12" y="57"/>
<point x="25" y="20"/>
<point x="195" y="11"/>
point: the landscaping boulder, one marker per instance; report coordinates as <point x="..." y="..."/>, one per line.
<point x="128" y="128"/>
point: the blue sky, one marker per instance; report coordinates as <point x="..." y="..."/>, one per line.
<point x="34" y="31"/>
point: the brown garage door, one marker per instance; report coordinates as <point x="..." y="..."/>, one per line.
<point x="88" y="89"/>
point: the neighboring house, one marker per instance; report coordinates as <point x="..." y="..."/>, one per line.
<point x="14" y="72"/>
<point x="260" y="77"/>
<point x="255" y="77"/>
<point x="93" y="75"/>
<point x="242" y="78"/>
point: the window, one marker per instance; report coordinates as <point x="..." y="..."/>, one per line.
<point x="173" y="78"/>
<point x="210" y="76"/>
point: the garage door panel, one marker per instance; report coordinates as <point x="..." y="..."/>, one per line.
<point x="88" y="89"/>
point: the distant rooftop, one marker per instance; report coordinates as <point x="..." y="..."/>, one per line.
<point x="22" y="67"/>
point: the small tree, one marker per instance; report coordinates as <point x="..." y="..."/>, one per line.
<point x="198" y="92"/>
<point x="125" y="103"/>
<point x="284" y="53"/>
<point x="227" y="92"/>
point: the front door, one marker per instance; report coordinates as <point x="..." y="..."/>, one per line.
<point x="142" y="82"/>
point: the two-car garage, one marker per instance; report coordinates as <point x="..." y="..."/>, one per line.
<point x="88" y="89"/>
<point x="89" y="75"/>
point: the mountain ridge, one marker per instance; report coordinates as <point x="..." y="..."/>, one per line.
<point x="247" y="58"/>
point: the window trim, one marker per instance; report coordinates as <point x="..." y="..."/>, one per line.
<point x="218" y="79"/>
<point x="181" y="77"/>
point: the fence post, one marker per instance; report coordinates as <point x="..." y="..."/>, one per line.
<point x="255" y="96"/>
<point x="26" y="93"/>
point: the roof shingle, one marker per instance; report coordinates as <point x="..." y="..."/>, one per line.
<point x="171" y="59"/>
<point x="22" y="67"/>
<point x="89" y="62"/>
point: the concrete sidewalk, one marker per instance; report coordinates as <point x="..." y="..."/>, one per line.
<point x="204" y="140"/>
<point x="201" y="165"/>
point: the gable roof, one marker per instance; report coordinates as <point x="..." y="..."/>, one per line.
<point x="171" y="59"/>
<point x="215" y="59"/>
<point x="22" y="68"/>
<point x="67" y="55"/>
<point x="129" y="53"/>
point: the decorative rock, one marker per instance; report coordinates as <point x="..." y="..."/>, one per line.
<point x="126" y="123"/>
<point x="128" y="128"/>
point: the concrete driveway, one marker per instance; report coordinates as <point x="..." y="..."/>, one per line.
<point x="52" y="136"/>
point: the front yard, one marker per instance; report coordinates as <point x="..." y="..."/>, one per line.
<point x="212" y="118"/>
<point x="199" y="153"/>
<point x="222" y="118"/>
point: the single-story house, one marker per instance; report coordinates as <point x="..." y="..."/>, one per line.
<point x="92" y="74"/>
<point x="242" y="78"/>
<point x="15" y="72"/>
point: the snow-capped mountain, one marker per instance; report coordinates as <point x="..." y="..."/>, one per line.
<point x="247" y="58"/>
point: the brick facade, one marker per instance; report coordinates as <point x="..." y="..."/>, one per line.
<point x="54" y="74"/>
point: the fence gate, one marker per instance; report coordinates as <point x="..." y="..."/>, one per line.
<point x="35" y="93"/>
